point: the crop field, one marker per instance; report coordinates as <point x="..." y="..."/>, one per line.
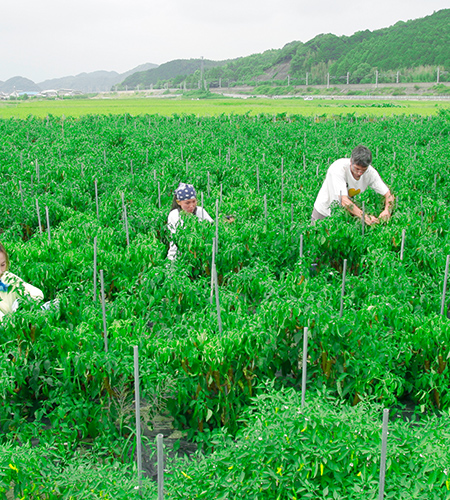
<point x="67" y="403"/>
<point x="215" y="107"/>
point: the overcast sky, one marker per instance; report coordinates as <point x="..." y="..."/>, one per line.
<point x="54" y="38"/>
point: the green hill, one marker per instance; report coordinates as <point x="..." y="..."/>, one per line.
<point x="414" y="49"/>
<point x="175" y="71"/>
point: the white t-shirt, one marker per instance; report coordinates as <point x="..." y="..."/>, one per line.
<point x="174" y="220"/>
<point x="16" y="288"/>
<point x="339" y="180"/>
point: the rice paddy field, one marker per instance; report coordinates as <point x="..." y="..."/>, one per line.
<point x="214" y="107"/>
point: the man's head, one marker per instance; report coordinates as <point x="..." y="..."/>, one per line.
<point x="360" y="160"/>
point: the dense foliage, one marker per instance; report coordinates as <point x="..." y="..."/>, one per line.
<point x="414" y="48"/>
<point x="60" y="389"/>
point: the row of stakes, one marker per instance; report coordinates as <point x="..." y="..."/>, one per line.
<point x="215" y="291"/>
<point x="159" y="438"/>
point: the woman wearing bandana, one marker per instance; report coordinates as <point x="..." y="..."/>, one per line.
<point x="185" y="199"/>
<point x="12" y="288"/>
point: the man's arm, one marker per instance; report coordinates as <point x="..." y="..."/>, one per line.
<point x="348" y="204"/>
<point x="389" y="200"/>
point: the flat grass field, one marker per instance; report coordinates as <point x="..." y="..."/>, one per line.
<point x="214" y="107"/>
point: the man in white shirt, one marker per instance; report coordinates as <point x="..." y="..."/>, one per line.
<point x="348" y="177"/>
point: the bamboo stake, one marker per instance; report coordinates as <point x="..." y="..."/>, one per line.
<point x="216" y="288"/>
<point x="221" y="192"/>
<point x="444" y="288"/>
<point x="21" y="193"/>
<point x="48" y="223"/>
<point x="126" y="224"/>
<point x="421" y="211"/>
<point x="37" y="171"/>
<point x="343" y="288"/>
<point x="202" y="205"/>
<point x="159" y="194"/>
<point x="257" y="178"/>
<point x="38" y="216"/>
<point x="402" y="247"/>
<point x="187" y="166"/>
<point x="160" y="466"/>
<point x="213" y="260"/>
<point x="95" y="268"/>
<point x="304" y="360"/>
<point x="301" y="245"/>
<point x="96" y="197"/>
<point x="383" y="453"/>
<point x="137" y="407"/>
<point x="217" y="226"/>
<point x="105" y="333"/>
<point x="363" y="220"/>
<point x="265" y="210"/>
<point x="209" y="188"/>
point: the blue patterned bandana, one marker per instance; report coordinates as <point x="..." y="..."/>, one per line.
<point x="3" y="287"/>
<point x="185" y="192"/>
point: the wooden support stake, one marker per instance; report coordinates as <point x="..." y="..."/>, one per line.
<point x="213" y="263"/>
<point x="38" y="216"/>
<point x="38" y="177"/>
<point x="21" y="193"/>
<point x="137" y="407"/>
<point x="343" y="288"/>
<point x="201" y="196"/>
<point x="216" y="289"/>
<point x="160" y="466"/>
<point x="282" y="181"/>
<point x="102" y="288"/>
<point x="265" y="209"/>
<point x="383" y="453"/>
<point x="48" y="223"/>
<point x="96" y="197"/>
<point x="402" y="247"/>
<point x="363" y="219"/>
<point x="159" y="194"/>
<point x="95" y="268"/>
<point x="257" y="178"/>
<point x="208" y="188"/>
<point x="301" y="245"/>
<point x="444" y="288"/>
<point x="217" y="226"/>
<point x="304" y="361"/>
<point x="125" y="216"/>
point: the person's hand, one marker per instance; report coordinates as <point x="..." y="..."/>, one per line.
<point x="371" y="219"/>
<point x="385" y="215"/>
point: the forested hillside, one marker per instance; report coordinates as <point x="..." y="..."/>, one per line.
<point x="414" y="49"/>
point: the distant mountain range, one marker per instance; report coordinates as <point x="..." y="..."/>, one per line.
<point x="411" y="50"/>
<point x="97" y="81"/>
